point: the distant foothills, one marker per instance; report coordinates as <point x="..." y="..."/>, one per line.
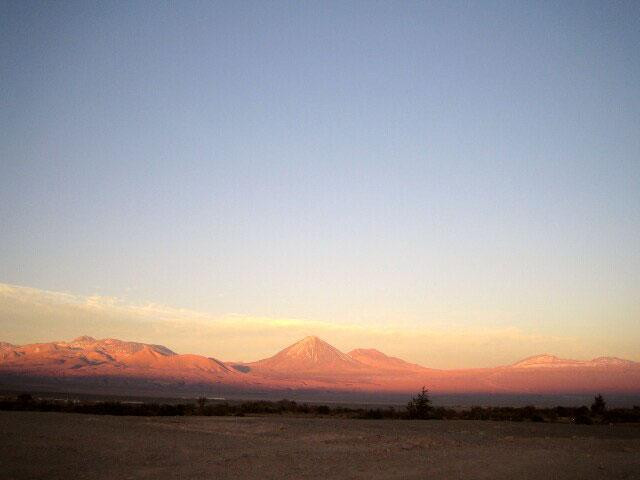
<point x="86" y="364"/>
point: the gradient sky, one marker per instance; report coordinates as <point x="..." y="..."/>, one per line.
<point x="447" y="167"/>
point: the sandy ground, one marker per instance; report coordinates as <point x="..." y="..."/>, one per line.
<point x="56" y="445"/>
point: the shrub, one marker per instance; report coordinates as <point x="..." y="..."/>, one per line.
<point x="372" y="414"/>
<point x="583" y="420"/>
<point x="287" y="405"/>
<point x="25" y="398"/>
<point x="323" y="410"/>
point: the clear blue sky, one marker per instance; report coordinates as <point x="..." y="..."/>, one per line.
<point x="380" y="163"/>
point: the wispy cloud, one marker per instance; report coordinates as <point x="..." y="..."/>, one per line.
<point x="30" y="315"/>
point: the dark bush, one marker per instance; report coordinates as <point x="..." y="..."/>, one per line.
<point x="25" y="398"/>
<point x="287" y="405"/>
<point x="622" y="415"/>
<point x="583" y="420"/>
<point x="323" y="410"/>
<point x="373" y="414"/>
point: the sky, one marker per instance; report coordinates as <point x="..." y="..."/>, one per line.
<point x="457" y="182"/>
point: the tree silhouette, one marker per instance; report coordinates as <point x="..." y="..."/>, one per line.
<point x="420" y="406"/>
<point x="599" y="405"/>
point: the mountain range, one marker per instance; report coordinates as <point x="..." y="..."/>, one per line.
<point x="111" y="365"/>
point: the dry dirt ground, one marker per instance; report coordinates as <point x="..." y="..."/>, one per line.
<point x="68" y="446"/>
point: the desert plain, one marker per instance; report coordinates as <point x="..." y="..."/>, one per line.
<point x="61" y="446"/>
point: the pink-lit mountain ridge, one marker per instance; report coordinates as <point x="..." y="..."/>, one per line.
<point x="310" y="364"/>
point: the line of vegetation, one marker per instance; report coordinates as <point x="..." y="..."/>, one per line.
<point x="420" y="407"/>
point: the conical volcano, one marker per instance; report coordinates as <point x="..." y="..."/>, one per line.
<point x="311" y="354"/>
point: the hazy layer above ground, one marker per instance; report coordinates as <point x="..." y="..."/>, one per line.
<point x="50" y="445"/>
